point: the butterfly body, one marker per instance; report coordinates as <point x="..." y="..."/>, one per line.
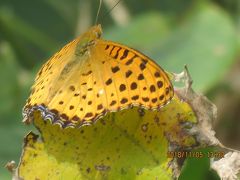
<point x="90" y="77"/>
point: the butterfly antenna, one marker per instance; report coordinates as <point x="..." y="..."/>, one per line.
<point x="110" y="10"/>
<point x="98" y="12"/>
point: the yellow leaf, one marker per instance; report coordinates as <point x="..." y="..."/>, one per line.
<point x="129" y="144"/>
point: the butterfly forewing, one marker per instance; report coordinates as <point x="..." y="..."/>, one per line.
<point x="137" y="79"/>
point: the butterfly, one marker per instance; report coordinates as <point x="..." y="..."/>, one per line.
<point x="90" y="77"/>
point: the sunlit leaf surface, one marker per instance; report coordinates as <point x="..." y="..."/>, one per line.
<point x="130" y="144"/>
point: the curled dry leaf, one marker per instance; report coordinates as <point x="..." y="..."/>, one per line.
<point x="11" y="167"/>
<point x="227" y="167"/>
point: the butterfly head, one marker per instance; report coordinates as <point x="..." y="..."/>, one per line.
<point x="88" y="39"/>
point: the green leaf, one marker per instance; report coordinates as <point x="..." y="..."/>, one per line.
<point x="10" y="108"/>
<point x="205" y="40"/>
<point x="142" y="33"/>
<point x="9" y="21"/>
<point x="8" y="79"/>
<point x="198" y="168"/>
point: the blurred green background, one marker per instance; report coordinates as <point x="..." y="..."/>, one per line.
<point x="204" y="34"/>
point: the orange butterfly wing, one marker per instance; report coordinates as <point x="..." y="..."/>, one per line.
<point x="90" y="77"/>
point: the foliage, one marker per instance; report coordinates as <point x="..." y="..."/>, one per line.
<point x="122" y="145"/>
